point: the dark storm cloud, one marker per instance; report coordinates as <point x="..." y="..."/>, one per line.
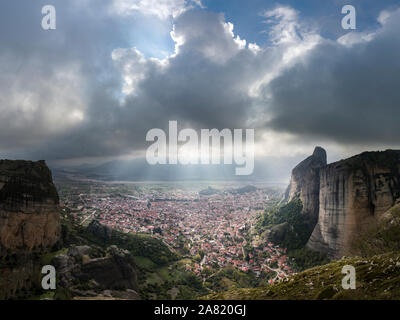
<point x="61" y="91"/>
<point x="348" y="93"/>
<point x="203" y="85"/>
<point x="48" y="78"/>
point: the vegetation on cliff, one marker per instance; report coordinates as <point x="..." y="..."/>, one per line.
<point x="377" y="277"/>
<point x="380" y="236"/>
<point x="284" y="225"/>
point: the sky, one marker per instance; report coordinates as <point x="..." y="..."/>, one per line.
<point x="90" y="90"/>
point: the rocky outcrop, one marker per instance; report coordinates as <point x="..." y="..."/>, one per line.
<point x="100" y="231"/>
<point x="29" y="213"/>
<point x="31" y="233"/>
<point x="29" y="222"/>
<point x="87" y="271"/>
<point x="304" y="184"/>
<point x="352" y="193"/>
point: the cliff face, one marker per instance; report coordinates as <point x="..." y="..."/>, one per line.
<point x="352" y="193"/>
<point x="29" y="215"/>
<point x="29" y="221"/>
<point x="304" y="184"/>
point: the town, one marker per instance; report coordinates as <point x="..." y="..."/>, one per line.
<point x="210" y="226"/>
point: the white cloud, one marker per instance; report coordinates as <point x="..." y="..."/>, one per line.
<point x="291" y="38"/>
<point x="254" y="48"/>
<point x="228" y="26"/>
<point x="163" y="9"/>
<point x="284" y="25"/>
<point x="133" y="68"/>
<point x="352" y="38"/>
<point x="383" y="17"/>
<point x="178" y="39"/>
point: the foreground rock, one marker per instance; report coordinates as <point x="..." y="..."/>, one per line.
<point x="378" y="278"/>
<point x="88" y="272"/>
<point x="29" y="223"/>
<point x="32" y="235"/>
<point x="29" y="212"/>
<point x="100" y="231"/>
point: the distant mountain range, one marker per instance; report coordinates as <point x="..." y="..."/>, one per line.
<point x="140" y="170"/>
<point x="210" y="190"/>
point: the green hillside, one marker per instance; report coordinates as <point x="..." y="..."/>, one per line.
<point x="284" y="225"/>
<point x="380" y="236"/>
<point x="377" y="277"/>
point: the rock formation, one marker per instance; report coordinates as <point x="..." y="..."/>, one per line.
<point x="352" y="193"/>
<point x="31" y="233"/>
<point x="87" y="271"/>
<point x="29" y="222"/>
<point x="380" y="237"/>
<point x="100" y="231"/>
<point x="304" y="184"/>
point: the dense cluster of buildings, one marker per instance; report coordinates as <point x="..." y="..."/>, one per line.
<point x="210" y="228"/>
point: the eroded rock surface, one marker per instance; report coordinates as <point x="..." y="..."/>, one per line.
<point x="29" y="222"/>
<point x="304" y="184"/>
<point x="87" y="272"/>
<point x="352" y="193"/>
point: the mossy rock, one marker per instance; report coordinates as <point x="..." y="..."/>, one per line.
<point x="326" y="293"/>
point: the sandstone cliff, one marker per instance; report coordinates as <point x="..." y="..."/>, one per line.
<point x="352" y="193"/>
<point x="29" y="222"/>
<point x="29" y="215"/>
<point x="304" y="184"/>
<point x="380" y="237"/>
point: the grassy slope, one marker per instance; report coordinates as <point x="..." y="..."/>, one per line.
<point x="378" y="277"/>
<point x="380" y="236"/>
